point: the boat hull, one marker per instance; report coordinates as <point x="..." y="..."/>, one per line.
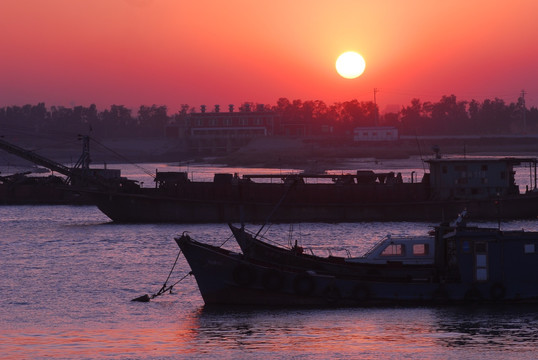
<point x="223" y="207"/>
<point x="227" y="278"/>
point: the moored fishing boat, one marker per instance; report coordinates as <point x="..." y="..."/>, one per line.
<point x="471" y="265"/>
<point x="394" y="258"/>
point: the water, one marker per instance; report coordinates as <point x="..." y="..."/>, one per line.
<point x="67" y="276"/>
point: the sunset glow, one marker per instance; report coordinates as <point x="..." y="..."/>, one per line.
<point x="167" y="52"/>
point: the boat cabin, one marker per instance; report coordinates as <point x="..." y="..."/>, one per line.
<point x="477" y="178"/>
<point x="170" y="179"/>
<point x="404" y="250"/>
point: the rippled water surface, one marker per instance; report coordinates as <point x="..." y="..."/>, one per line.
<point x="68" y="276"/>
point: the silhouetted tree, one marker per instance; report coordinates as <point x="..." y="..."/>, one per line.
<point x="448" y="116"/>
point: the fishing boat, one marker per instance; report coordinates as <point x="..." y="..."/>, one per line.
<point x="471" y="264"/>
<point x="397" y="258"/>
<point x="486" y="187"/>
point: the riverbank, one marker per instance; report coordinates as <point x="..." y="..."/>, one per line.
<point x="273" y="152"/>
<point x="325" y="154"/>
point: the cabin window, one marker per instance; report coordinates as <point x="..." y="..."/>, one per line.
<point x="444" y="169"/>
<point x="529" y="249"/>
<point x="481" y="261"/>
<point x="465" y="247"/>
<point x="420" y="249"/>
<point x="394" y="250"/>
<point x="482" y="274"/>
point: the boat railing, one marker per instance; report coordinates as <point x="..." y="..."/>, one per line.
<point x="376" y="245"/>
<point x="265" y="239"/>
<point x="329" y="250"/>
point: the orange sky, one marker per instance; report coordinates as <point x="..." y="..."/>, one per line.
<point x="171" y="52"/>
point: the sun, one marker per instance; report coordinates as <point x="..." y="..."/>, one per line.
<point x="350" y="65"/>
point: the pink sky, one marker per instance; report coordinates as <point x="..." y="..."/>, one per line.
<point x="171" y="52"/>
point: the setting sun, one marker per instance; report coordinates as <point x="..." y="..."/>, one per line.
<point x="350" y="65"/>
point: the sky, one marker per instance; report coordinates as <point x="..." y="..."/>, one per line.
<point x="173" y="52"/>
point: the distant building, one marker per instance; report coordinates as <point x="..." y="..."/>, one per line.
<point x="375" y="133"/>
<point x="225" y="131"/>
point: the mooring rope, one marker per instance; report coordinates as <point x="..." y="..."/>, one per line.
<point x="164" y="288"/>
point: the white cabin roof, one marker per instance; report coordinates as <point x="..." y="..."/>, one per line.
<point x="407" y="250"/>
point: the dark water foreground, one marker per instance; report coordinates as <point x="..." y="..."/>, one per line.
<point x="67" y="276"/>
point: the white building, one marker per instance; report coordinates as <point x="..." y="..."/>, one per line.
<point x="376" y="133"/>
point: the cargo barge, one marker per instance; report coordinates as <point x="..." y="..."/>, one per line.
<point x="486" y="188"/>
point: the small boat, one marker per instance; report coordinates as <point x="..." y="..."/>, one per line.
<point x="394" y="258"/>
<point x="471" y="264"/>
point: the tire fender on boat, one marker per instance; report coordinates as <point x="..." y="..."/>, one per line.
<point x="440" y="295"/>
<point x="497" y="291"/>
<point x="272" y="280"/>
<point x="473" y="294"/>
<point x="244" y="275"/>
<point x="304" y="284"/>
<point x="361" y="292"/>
<point x="331" y="294"/>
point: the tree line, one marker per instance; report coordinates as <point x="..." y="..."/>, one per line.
<point x="448" y="116"/>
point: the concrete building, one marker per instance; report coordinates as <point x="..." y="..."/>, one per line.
<point x="375" y="133"/>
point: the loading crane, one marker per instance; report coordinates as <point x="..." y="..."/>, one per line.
<point x="81" y="172"/>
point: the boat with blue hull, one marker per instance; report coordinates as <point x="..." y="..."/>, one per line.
<point x="468" y="265"/>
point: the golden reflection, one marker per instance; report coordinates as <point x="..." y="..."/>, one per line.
<point x="290" y="331"/>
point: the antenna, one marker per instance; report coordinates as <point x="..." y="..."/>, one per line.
<point x="376" y="119"/>
<point x="420" y="152"/>
<point x="524" y="110"/>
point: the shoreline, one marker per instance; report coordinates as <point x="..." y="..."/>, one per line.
<point x="273" y="152"/>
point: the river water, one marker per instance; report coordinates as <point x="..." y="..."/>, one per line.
<point x="68" y="275"/>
